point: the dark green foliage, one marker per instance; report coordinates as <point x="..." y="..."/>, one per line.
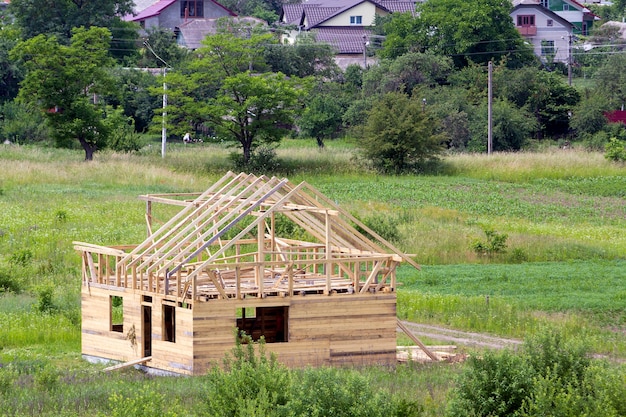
<point x="262" y="160"/>
<point x="62" y="81"/>
<point x="21" y="124"/>
<point x="303" y="59"/>
<point x="122" y="136"/>
<point x="322" y="117"/>
<point x="407" y="72"/>
<point x="35" y="17"/>
<point x="477" y="31"/>
<point x="162" y="42"/>
<point x="399" y="134"/>
<point x="10" y="73"/>
<point x="512" y="126"/>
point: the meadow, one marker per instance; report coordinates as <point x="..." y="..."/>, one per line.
<point x="562" y="265"/>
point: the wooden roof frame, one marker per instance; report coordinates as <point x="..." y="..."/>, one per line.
<point x="190" y="257"/>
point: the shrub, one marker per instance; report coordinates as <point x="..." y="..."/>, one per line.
<point x="550" y="377"/>
<point x="142" y="402"/>
<point x="495" y="243"/>
<point x="10" y="282"/>
<point x="329" y="392"/>
<point x="495" y="385"/>
<point x="262" y="160"/>
<point x="615" y="150"/>
<point x="384" y="226"/>
<point x="250" y="383"/>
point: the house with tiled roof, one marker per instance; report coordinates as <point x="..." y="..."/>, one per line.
<point x="344" y="24"/>
<point x="571" y="10"/>
<point x="549" y="33"/>
<point x="171" y="14"/>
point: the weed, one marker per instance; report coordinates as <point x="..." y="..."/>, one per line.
<point x="495" y="243"/>
<point x="22" y="258"/>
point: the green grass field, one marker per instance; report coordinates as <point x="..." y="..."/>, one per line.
<point x="563" y="267"/>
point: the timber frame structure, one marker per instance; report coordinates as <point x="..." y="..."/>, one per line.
<point x="220" y="264"/>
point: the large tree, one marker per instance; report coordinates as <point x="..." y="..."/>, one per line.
<point x="225" y="90"/>
<point x="64" y="83"/>
<point x="477" y="31"/>
<point x="58" y="17"/>
<point x="399" y="134"/>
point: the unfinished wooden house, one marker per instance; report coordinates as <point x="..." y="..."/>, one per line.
<point x="228" y="260"/>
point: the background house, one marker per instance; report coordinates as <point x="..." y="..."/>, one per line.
<point x="344" y="24"/>
<point x="172" y="14"/>
<point x="574" y="12"/>
<point x="549" y="33"/>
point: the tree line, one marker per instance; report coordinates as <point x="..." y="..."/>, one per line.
<point x="75" y="74"/>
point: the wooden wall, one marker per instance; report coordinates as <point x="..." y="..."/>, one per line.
<point x="336" y="330"/>
<point x="356" y="329"/>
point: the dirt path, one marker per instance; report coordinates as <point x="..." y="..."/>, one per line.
<point x="461" y="338"/>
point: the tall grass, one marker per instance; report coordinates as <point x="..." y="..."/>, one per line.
<point x="528" y="166"/>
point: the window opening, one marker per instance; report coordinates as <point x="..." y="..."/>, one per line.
<point x="117" y="313"/>
<point x="192" y="8"/>
<point x="526" y="20"/>
<point x="269" y="322"/>
<point x="169" y="323"/>
<point x="356" y="20"/>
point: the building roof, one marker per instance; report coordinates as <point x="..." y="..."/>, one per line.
<point x="193" y="31"/>
<point x="530" y="4"/>
<point x="346" y="40"/>
<point x="158" y="7"/>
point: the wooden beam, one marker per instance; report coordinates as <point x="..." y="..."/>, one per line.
<point x="414" y="338"/>
<point x="127" y="364"/>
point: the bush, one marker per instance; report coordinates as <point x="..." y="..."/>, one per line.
<point x="615" y="150"/>
<point x="495" y="385"/>
<point x="263" y="160"/>
<point x="250" y="384"/>
<point x="329" y="392"/>
<point x="495" y="243"/>
<point x="550" y="377"/>
<point x="10" y="282"/>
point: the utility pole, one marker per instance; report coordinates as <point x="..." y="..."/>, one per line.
<point x="163" y="125"/>
<point x="489" y="108"/>
<point x="364" y="51"/>
<point x="569" y="60"/>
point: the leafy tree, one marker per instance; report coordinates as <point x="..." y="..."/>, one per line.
<point x="407" y="72"/>
<point x="511" y="127"/>
<point x="610" y="80"/>
<point x="401" y="35"/>
<point x="36" y="17"/>
<point x="303" y="59"/>
<point x="220" y="90"/>
<point x="135" y="95"/>
<point x="267" y="10"/>
<point x="322" y="117"/>
<point x="10" y="73"/>
<point x="63" y="82"/>
<point x="477" y="31"/>
<point x="162" y="43"/>
<point x="399" y="134"/>
<point x="20" y="124"/>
